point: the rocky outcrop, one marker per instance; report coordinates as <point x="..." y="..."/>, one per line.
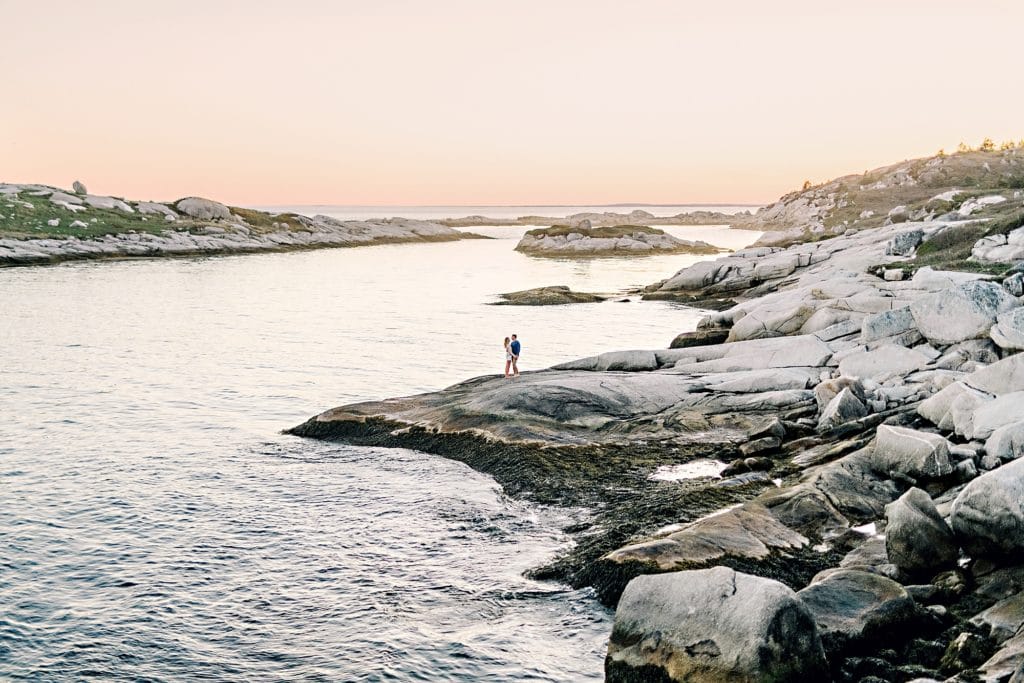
<point x="622" y="240"/>
<point x="713" y="625"/>
<point x="106" y="227"/>
<point x="870" y="427"/>
<point x="547" y="296"/>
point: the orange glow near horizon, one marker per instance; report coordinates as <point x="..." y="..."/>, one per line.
<point x="465" y="102"/>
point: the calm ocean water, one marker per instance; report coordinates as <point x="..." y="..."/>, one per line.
<point x="156" y="525"/>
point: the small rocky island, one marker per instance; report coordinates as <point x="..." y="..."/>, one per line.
<point x="582" y="240"/>
<point x="555" y="295"/>
<point x="40" y="224"/>
<point x="867" y="393"/>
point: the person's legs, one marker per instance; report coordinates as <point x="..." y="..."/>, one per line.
<point x="508" y="364"/>
<point x="515" y="365"/>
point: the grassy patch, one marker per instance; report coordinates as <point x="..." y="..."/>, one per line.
<point x="261" y="221"/>
<point x="19" y="221"/>
<point x="950" y="249"/>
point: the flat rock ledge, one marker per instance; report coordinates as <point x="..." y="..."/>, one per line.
<point x="564" y="241"/>
<point x="555" y="295"/>
<point x="871" y="504"/>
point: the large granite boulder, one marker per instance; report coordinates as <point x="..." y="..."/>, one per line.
<point x="917" y="539"/>
<point x="855" y="609"/>
<point x="1008" y="332"/>
<point x="79" y="188"/>
<point x="988" y="515"/>
<point x="714" y="626"/>
<point x="967" y="311"/>
<point x="203" y="209"/>
<point x="999" y="378"/>
<point x="919" y="455"/>
<point x="991" y="415"/>
<point x="1006" y="442"/>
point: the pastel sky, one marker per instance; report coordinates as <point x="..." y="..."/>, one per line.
<point x="473" y="101"/>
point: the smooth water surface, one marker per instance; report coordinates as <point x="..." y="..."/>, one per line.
<point x="157" y="526"/>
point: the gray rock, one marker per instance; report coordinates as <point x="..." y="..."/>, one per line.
<point x="203" y="209"/>
<point x="892" y="274"/>
<point x="991" y="415"/>
<point x="988" y="515"/>
<point x="954" y="400"/>
<point x="967" y="311"/>
<point x="79" y="188"/>
<point x="1014" y="284"/>
<point x="904" y="243"/>
<point x="828" y="389"/>
<point x="1003" y="377"/>
<point x="886" y="324"/>
<point x="845" y="407"/>
<point x="1005" y="664"/>
<point x="1002" y="619"/>
<point x="1008" y="332"/>
<point x="101" y="202"/>
<point x="857" y="608"/>
<point x="761" y="323"/>
<point x="776" y="266"/>
<point x="882" y="363"/>
<point x="713" y="625"/>
<point x="917" y="539"/>
<point x="918" y="455"/>
<point x="1006" y="442"/>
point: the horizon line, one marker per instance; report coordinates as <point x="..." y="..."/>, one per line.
<point x="520" y="206"/>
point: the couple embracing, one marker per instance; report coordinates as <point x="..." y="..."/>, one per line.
<point x="512" y="347"/>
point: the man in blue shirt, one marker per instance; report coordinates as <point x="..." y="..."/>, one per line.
<point x="515" y="346"/>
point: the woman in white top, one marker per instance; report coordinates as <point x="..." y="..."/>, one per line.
<point x="508" y="355"/>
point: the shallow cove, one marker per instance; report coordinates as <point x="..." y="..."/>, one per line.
<point x="159" y="527"/>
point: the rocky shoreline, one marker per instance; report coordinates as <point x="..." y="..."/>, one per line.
<point x="867" y="410"/>
<point x="81" y="226"/>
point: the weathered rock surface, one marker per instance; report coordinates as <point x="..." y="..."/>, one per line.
<point x="854" y="608"/>
<point x="748" y="532"/>
<point x="1008" y="332"/>
<point x="917" y="539"/>
<point x="203" y="209"/>
<point x="967" y="311"/>
<point x="713" y="625"/>
<point x="988" y="515"/>
<point x="918" y="455"/>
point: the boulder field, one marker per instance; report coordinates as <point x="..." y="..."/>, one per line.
<point x="869" y="525"/>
